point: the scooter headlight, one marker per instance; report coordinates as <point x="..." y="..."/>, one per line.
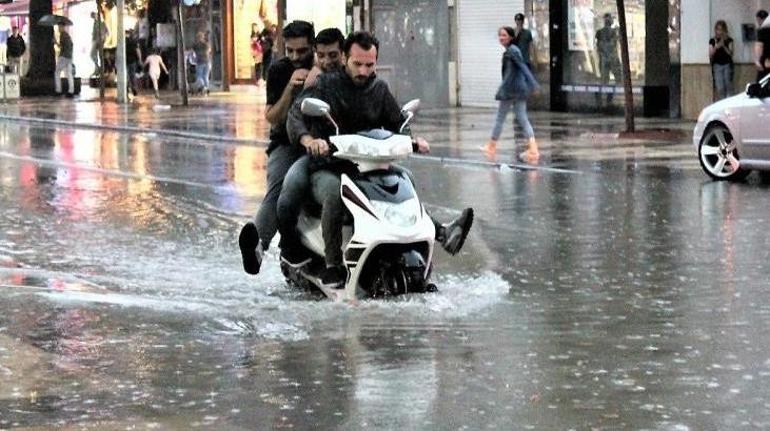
<point x="401" y="215"/>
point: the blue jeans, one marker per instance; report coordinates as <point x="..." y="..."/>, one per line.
<point x="723" y="80"/>
<point x="202" y="71"/>
<point x="520" y="111"/>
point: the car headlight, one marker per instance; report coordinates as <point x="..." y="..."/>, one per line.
<point x="401" y="215"/>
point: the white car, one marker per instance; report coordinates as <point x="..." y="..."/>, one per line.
<point x="733" y="135"/>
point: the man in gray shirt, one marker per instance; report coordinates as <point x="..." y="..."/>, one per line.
<point x="523" y="39"/>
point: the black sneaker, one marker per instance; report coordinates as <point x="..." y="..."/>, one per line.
<point x="251" y="250"/>
<point x="334" y="277"/>
<point x="295" y="258"/>
<point x="453" y="234"/>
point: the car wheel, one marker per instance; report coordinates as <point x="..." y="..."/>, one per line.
<point x="718" y="154"/>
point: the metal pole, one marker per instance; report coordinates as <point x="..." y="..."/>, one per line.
<point x="181" y="58"/>
<point x="630" y="128"/>
<point x="121" y="54"/>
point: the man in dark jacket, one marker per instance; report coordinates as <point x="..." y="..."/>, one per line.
<point x="16" y="48"/>
<point x="359" y="101"/>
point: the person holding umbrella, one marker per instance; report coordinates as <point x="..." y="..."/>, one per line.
<point x="64" y="63"/>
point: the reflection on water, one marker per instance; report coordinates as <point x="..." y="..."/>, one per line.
<point x="619" y="298"/>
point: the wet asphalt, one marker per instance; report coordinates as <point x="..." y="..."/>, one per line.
<point x="609" y="287"/>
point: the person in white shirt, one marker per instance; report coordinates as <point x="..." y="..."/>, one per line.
<point x="154" y="63"/>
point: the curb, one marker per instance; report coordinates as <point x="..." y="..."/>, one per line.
<point x="132" y="129"/>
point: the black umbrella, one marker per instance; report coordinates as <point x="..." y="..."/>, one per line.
<point x="52" y="20"/>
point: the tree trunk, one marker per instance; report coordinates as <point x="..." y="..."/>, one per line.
<point x="41" y="53"/>
<point x="626" y="67"/>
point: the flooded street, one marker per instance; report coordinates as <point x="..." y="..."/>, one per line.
<point x="593" y="293"/>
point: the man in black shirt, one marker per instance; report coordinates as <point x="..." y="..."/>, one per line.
<point x="16" y="48"/>
<point x="285" y="80"/>
<point x="133" y="59"/>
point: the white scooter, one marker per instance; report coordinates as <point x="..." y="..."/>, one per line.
<point x="388" y="244"/>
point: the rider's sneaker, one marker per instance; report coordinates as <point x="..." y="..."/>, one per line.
<point x="251" y="249"/>
<point x="452" y="236"/>
<point x="334" y="277"/>
<point x="294" y="258"/>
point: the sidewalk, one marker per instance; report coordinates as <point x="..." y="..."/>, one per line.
<point x="455" y="133"/>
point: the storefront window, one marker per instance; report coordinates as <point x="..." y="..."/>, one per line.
<point x="330" y="13"/>
<point x="593" y="42"/>
<point x="249" y="15"/>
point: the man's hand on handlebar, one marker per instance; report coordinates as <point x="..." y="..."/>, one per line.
<point x="421" y="145"/>
<point x="315" y="147"/>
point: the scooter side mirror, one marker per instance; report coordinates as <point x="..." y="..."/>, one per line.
<point x="315" y="107"/>
<point x="411" y="106"/>
<point x="408" y="110"/>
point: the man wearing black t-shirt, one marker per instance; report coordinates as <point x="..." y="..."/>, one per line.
<point x="762" y="46"/>
<point x="285" y="80"/>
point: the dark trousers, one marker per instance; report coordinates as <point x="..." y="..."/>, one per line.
<point x="278" y="163"/>
<point x="295" y="190"/>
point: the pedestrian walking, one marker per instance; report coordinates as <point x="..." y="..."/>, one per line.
<point x="762" y="46"/>
<point x="16" y="49"/>
<point x="202" y="51"/>
<point x="64" y="63"/>
<point x="99" y="33"/>
<point x="256" y="52"/>
<point x="154" y="63"/>
<point x="523" y="39"/>
<point x="721" y="57"/>
<point x="518" y="83"/>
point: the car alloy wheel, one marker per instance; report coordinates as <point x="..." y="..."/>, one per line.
<point x="719" y="156"/>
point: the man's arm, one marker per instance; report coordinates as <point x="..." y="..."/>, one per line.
<point x="758" y="48"/>
<point x="275" y="114"/>
<point x="299" y="132"/>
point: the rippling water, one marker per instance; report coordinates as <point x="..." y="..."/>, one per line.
<point x="608" y="296"/>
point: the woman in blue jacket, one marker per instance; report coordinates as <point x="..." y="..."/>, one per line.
<point x="518" y="83"/>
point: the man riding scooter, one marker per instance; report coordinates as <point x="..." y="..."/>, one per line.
<point x="359" y="101"/>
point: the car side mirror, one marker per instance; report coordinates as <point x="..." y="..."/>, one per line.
<point x="755" y="89"/>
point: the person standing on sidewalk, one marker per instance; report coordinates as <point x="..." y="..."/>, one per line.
<point x="518" y="83"/>
<point x="523" y="40"/>
<point x="64" y="63"/>
<point x="202" y="51"/>
<point x="16" y="49"/>
<point x="762" y="46"/>
<point x="721" y="56"/>
<point x="284" y="81"/>
<point x="133" y="59"/>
